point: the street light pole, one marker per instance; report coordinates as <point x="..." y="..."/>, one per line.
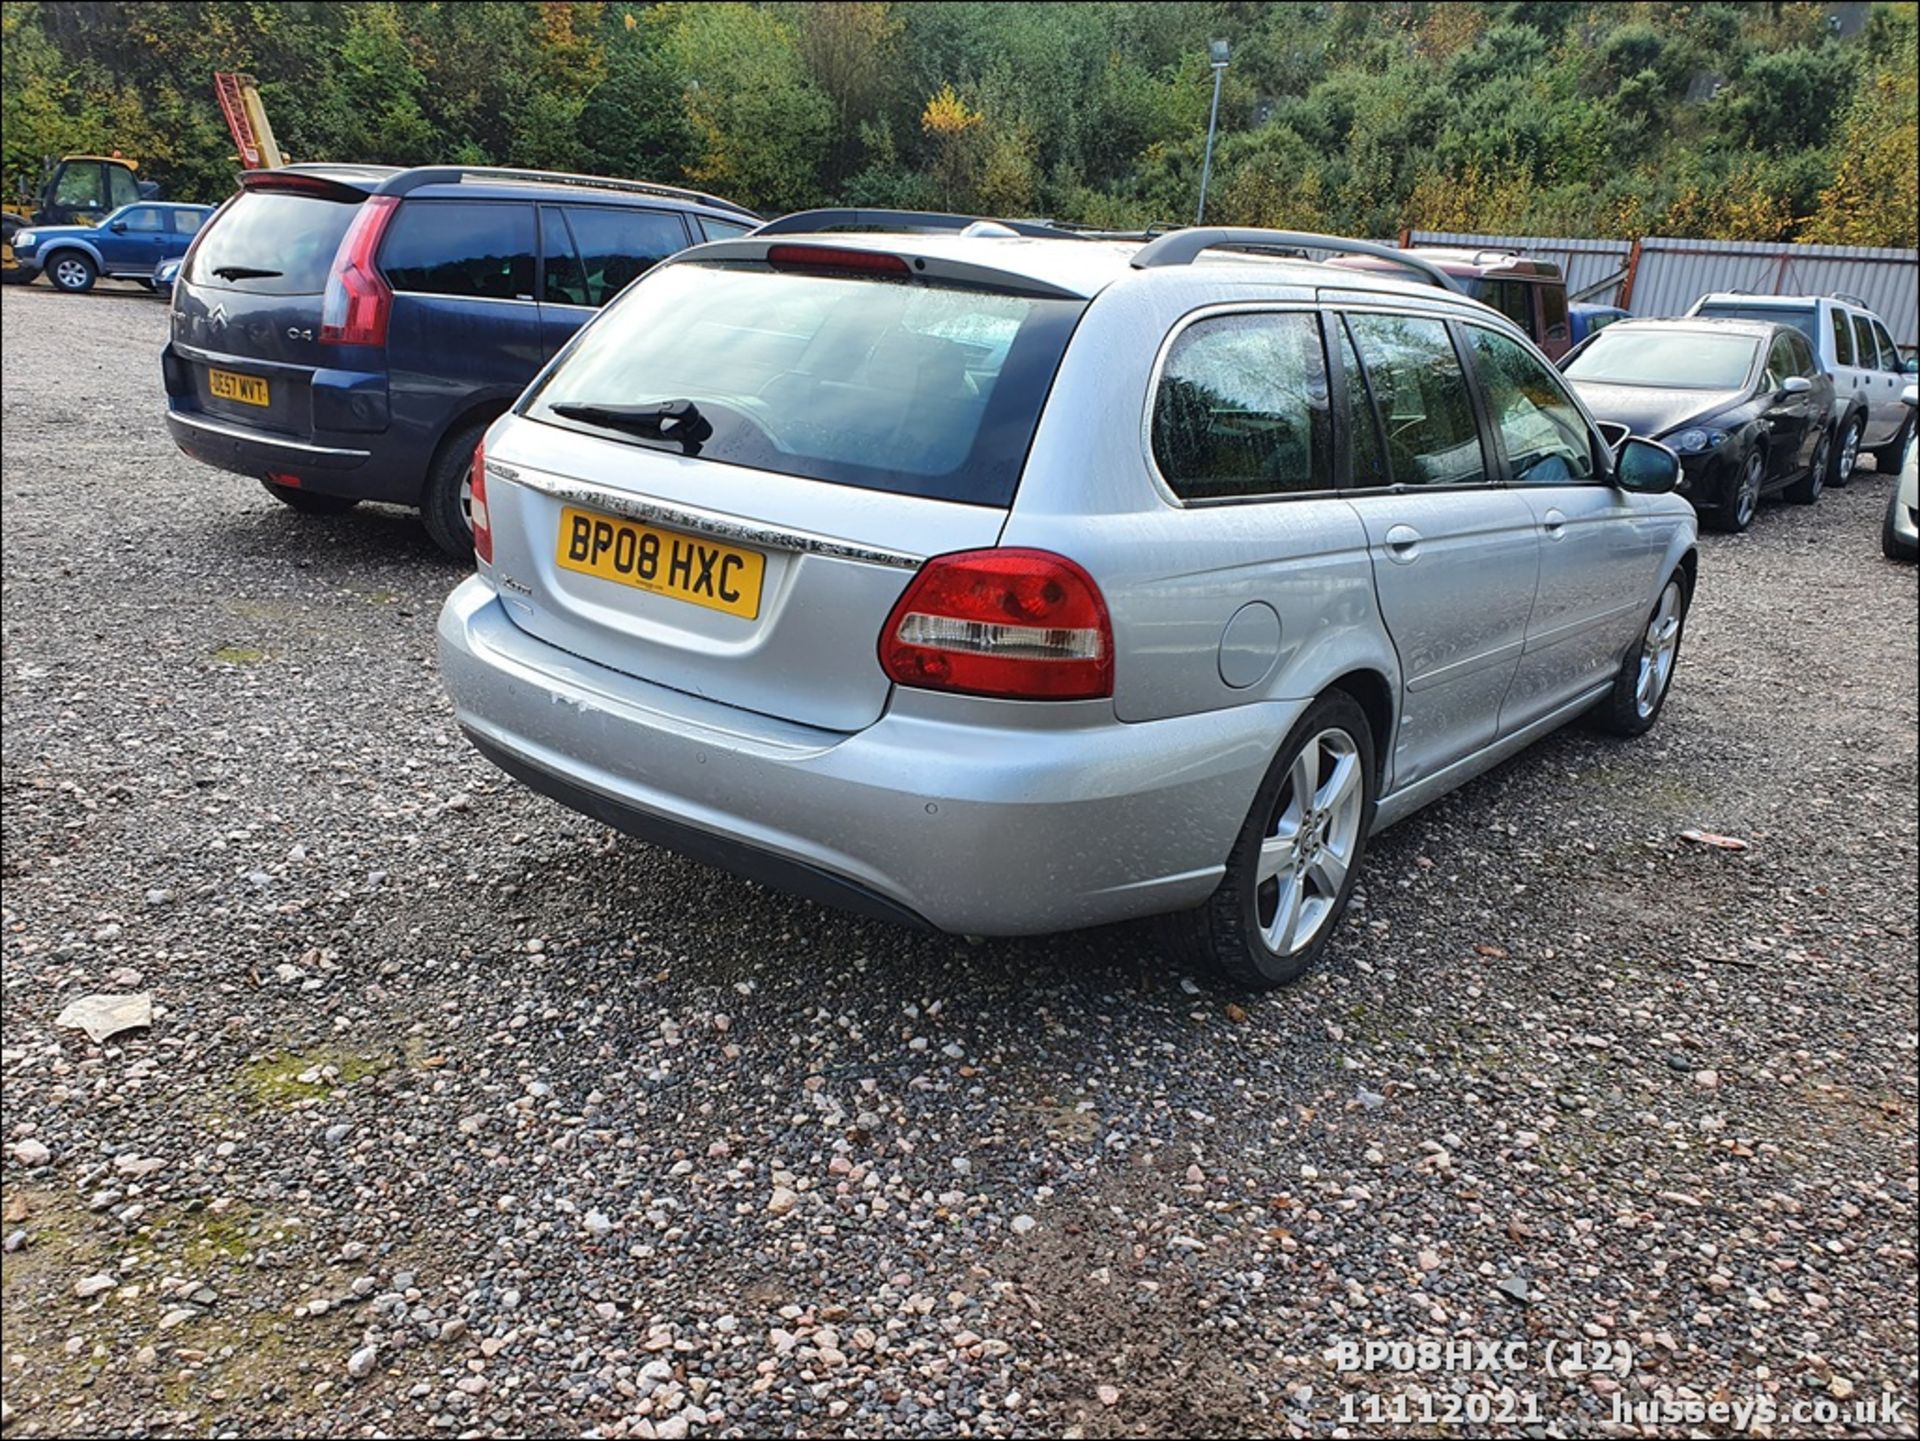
<point x="1218" y="51"/>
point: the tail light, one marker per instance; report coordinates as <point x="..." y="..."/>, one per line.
<point x="358" y="301"/>
<point x="477" y="516"/>
<point x="833" y="257"/>
<point x="1018" y="624"/>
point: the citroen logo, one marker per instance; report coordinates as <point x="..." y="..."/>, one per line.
<point x="217" y="317"/>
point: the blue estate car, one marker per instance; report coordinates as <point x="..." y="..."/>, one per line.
<point x="127" y="245"/>
<point x="347" y="332"/>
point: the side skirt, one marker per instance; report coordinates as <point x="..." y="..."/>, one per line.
<point x="1403" y="803"/>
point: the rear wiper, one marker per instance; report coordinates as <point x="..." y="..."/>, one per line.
<point x="677" y="420"/>
<point x="243" y="272"/>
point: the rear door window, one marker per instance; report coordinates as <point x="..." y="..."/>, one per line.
<point x="1421" y="392"/>
<point x="1842" y="338"/>
<point x="892" y="385"/>
<point x="1863" y="347"/>
<point x="1553" y="311"/>
<point x="1544" y="435"/>
<point x="1242" y="409"/>
<point x="474" y="249"/>
<point x="188" y="222"/>
<point x="617" y="246"/>
<point x="1889" y="354"/>
<point x="279" y="243"/>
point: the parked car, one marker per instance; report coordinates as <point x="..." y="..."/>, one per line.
<point x="1855" y="349"/>
<point x="346" y="332"/>
<point x="126" y="245"/>
<point x="1900" y="535"/>
<point x="1588" y="320"/>
<point x="1004" y="585"/>
<point x="1531" y="293"/>
<point x="1744" y="403"/>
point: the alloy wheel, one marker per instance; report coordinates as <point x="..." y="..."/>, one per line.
<point x="1657" y="651"/>
<point x="1747" y="499"/>
<point x="72" y="274"/>
<point x="1849" y="452"/>
<point x="1310" y="842"/>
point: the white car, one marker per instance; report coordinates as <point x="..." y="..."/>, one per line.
<point x="1900" y="536"/>
<point x="1855" y="349"/>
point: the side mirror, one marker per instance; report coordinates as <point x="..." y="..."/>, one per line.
<point x="1912" y="367"/>
<point x="1910" y="397"/>
<point x="119" y="227"/>
<point x="1613" y="433"/>
<point x="1795" y="385"/>
<point x="1646" y="467"/>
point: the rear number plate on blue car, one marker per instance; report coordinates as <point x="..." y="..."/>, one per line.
<point x="247" y="389"/>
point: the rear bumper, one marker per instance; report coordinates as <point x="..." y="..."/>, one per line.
<point x="933" y="815"/>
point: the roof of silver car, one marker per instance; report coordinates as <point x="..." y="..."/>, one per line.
<point x="1086" y="266"/>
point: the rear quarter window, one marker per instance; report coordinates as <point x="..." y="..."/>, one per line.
<point x="1242" y="408"/>
<point x="475" y="249"/>
<point x="1842" y="338"/>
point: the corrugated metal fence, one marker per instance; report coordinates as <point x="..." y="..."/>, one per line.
<point x="1664" y="275"/>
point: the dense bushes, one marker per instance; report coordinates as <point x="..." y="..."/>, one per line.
<point x="1748" y="120"/>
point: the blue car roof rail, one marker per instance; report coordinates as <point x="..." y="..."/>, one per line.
<point x="812" y="222"/>
<point x="1183" y="247"/>
<point x="410" y="180"/>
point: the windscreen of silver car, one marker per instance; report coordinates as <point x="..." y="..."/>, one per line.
<point x="886" y="384"/>
<point x="1665" y="359"/>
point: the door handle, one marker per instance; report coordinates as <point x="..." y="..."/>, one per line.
<point x="1554" y="523"/>
<point x="1403" y="544"/>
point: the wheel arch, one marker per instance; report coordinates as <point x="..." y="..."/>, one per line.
<point x="1373" y="693"/>
<point x="483" y="411"/>
<point x="60" y="247"/>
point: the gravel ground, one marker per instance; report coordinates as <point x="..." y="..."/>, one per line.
<point x="461" y="1115"/>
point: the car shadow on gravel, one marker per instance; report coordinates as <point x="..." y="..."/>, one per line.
<point x="366" y="533"/>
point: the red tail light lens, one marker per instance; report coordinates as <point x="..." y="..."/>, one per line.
<point x="355" y="308"/>
<point x="477" y="516"/>
<point x="1017" y="624"/>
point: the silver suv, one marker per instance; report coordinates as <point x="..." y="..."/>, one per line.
<point x="1008" y="583"/>
<point x="1853" y="347"/>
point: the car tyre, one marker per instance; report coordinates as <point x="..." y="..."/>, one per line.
<point x="72" y="271"/>
<point x="1845" y="454"/>
<point x="1892" y="545"/>
<point x="1734" y="514"/>
<point x="1294" y="863"/>
<point x="444" y="506"/>
<point x="1806" y="490"/>
<point x="1887" y="458"/>
<point x="1645" y="676"/>
<point x="309" y="502"/>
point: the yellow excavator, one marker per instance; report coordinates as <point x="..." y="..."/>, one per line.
<point x="74" y="190"/>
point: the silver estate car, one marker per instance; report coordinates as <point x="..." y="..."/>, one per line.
<point x="1009" y="582"/>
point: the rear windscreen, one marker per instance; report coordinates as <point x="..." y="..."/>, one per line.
<point x="1800" y="320"/>
<point x="272" y="243"/>
<point x="894" y="385"/>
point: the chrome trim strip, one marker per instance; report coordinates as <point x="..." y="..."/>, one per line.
<point x="705" y="522"/>
<point x="235" y="432"/>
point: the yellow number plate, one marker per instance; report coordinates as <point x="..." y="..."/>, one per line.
<point x="662" y="562"/>
<point x="247" y="389"/>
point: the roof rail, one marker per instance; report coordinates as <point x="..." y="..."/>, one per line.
<point x="411" y="180"/>
<point x="811" y="222"/>
<point x="1850" y="299"/>
<point x="1183" y="247"/>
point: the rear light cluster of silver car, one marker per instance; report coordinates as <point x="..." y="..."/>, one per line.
<point x="1014" y="624"/>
